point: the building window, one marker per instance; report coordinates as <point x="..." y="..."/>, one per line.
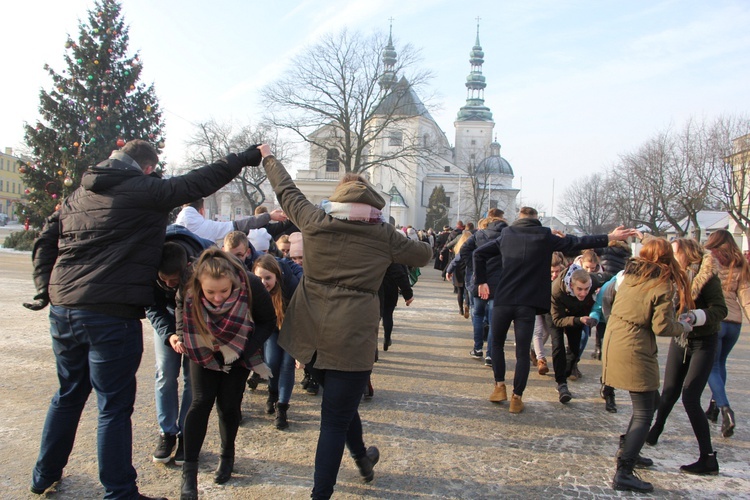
<point x="395" y="138"/>
<point x="493" y="203"/>
<point x="426" y="140"/>
<point x="332" y="160"/>
<point x="1" y="185"/>
<point x="473" y="142"/>
<point x="447" y="168"/>
<point x="238" y="212"/>
<point x="447" y="201"/>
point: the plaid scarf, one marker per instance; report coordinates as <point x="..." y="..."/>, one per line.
<point x="229" y="327"/>
<point x="360" y="212"/>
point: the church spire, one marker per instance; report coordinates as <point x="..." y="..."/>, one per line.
<point x="475" y="110"/>
<point x="389" y="61"/>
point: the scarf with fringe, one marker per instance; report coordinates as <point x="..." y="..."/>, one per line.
<point x="359" y="212"/>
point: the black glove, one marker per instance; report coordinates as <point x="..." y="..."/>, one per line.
<point x="41" y="300"/>
<point x="251" y="156"/>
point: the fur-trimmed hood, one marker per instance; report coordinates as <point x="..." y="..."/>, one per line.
<point x="700" y="272"/>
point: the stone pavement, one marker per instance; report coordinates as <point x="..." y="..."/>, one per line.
<point x="438" y="435"/>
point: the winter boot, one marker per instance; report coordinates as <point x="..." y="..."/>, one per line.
<point x="727" y="421"/>
<point x="366" y="463"/>
<point x="226" y="466"/>
<point x="626" y="480"/>
<point x="640" y="462"/>
<point x="653" y="435"/>
<point x="189" y="488"/>
<point x="712" y="413"/>
<point x="706" y="465"/>
<point x="273" y="396"/>
<point x="281" y="422"/>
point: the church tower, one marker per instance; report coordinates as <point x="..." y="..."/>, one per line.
<point x="474" y="123"/>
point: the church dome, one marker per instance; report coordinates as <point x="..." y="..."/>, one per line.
<point x="494" y="164"/>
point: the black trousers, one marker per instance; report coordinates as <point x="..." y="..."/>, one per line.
<point x="686" y="374"/>
<point x="562" y="362"/>
<point x="644" y="405"/>
<point x="523" y="319"/>
<point x="226" y="389"/>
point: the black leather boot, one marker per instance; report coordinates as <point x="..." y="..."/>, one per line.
<point x="626" y="480"/>
<point x="727" y="421"/>
<point x="281" y="422"/>
<point x="366" y="463"/>
<point x="273" y="396"/>
<point x="706" y="465"/>
<point x="189" y="488"/>
<point x="640" y="462"/>
<point x="712" y="413"/>
<point x="608" y="393"/>
<point x="224" y="471"/>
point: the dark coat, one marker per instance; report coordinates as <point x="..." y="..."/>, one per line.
<point x="161" y="312"/>
<point x="526" y="248"/>
<point x="101" y="250"/>
<point x="613" y="257"/>
<point x="566" y="310"/>
<point x="494" y="265"/>
<point x="335" y="313"/>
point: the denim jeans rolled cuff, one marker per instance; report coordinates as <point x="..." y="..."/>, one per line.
<point x="102" y="352"/>
<point x="170" y="410"/>
<point x="729" y="333"/>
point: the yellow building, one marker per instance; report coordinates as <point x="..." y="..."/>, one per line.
<point x="11" y="185"/>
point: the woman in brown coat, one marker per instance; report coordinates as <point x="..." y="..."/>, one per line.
<point x="644" y="307"/>
<point x="332" y="321"/>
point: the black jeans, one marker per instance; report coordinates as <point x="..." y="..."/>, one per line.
<point x="523" y="318"/>
<point x="687" y="373"/>
<point x="227" y="390"/>
<point x="562" y="362"/>
<point x="388" y="305"/>
<point x="339" y="425"/>
<point x="644" y="406"/>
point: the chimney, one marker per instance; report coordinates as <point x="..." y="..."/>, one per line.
<point x="9" y="151"/>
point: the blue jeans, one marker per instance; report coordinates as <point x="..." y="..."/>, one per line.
<point x="339" y="425"/>
<point x="282" y="368"/>
<point x="481" y="314"/>
<point x="169" y="413"/>
<point x="717" y="380"/>
<point x="585" y="333"/>
<point x="102" y="352"/>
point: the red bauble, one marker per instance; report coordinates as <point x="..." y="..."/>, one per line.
<point x="120" y="143"/>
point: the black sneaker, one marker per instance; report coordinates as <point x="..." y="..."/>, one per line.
<point x="565" y="395"/>
<point x="163" y="451"/>
<point x="305" y="381"/>
<point x="476" y="354"/>
<point x="488" y="361"/>
<point x="312" y="387"/>
<point x="179" y="455"/>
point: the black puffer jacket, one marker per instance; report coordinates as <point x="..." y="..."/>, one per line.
<point x="614" y="257"/>
<point x="101" y="250"/>
<point x="494" y="265"/>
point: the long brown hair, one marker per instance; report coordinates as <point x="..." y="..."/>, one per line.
<point x="215" y="264"/>
<point x="461" y="240"/>
<point x="691" y="249"/>
<point x="268" y="262"/>
<point x="657" y="253"/>
<point x="722" y="246"/>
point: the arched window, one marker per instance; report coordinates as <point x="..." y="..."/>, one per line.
<point x="332" y="160"/>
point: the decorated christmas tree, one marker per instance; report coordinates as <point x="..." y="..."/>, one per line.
<point x="95" y="105"/>
<point x="437" y="209"/>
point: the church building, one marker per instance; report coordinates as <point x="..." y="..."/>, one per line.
<point x="473" y="174"/>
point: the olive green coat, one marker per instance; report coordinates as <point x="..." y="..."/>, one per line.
<point x="335" y="311"/>
<point x="639" y="313"/>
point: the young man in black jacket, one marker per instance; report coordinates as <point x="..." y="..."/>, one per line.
<point x="523" y="289"/>
<point x="96" y="261"/>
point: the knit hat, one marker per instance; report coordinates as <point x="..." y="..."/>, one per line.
<point x="260" y="239"/>
<point x="295" y="245"/>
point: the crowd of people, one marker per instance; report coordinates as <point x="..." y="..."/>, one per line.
<point x="234" y="303"/>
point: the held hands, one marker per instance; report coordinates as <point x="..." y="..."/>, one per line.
<point x="41" y="300"/>
<point x="688" y="317"/>
<point x="265" y="150"/>
<point x="686" y="326"/>
<point x="621" y="233"/>
<point x="278" y="215"/>
<point x="251" y="156"/>
<point x="589" y="321"/>
<point x="484" y="291"/>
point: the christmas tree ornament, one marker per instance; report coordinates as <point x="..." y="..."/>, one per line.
<point x="54" y="196"/>
<point x="68" y="182"/>
<point x="59" y="172"/>
<point x="75" y="144"/>
<point x="120" y="143"/>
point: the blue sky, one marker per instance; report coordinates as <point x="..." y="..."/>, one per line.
<point x="571" y="84"/>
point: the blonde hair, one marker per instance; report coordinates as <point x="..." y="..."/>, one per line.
<point x="464" y="236"/>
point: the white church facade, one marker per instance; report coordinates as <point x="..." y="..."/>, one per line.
<point x="472" y="172"/>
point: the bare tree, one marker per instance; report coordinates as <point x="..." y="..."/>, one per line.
<point x="730" y="151"/>
<point x="343" y="95"/>
<point x="585" y="203"/>
<point x="213" y="140"/>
